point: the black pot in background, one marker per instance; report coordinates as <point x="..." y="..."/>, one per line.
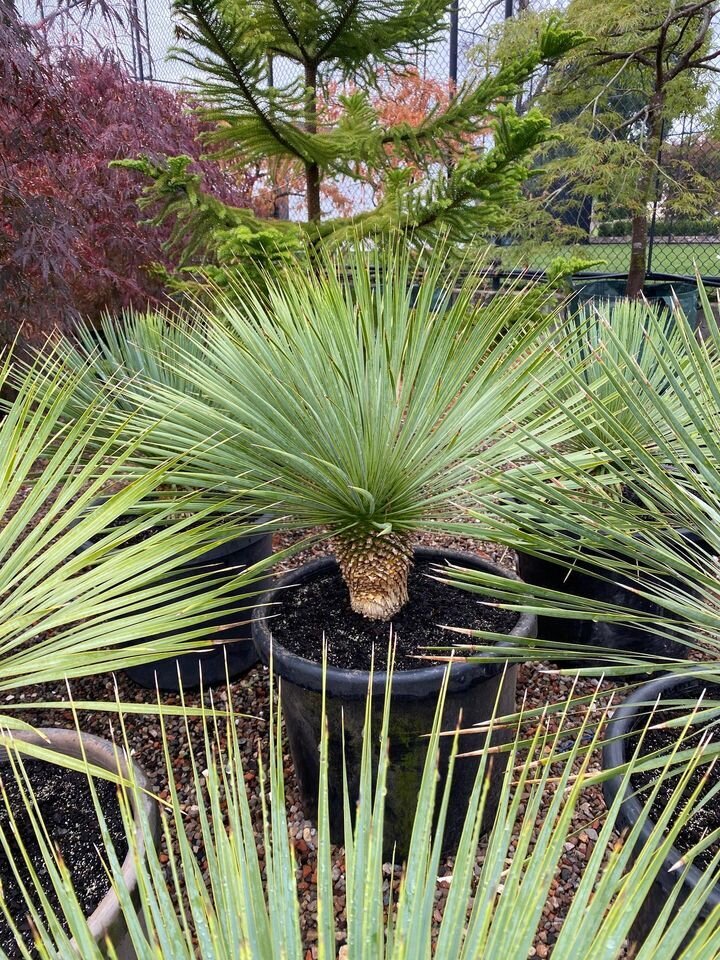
<point x="615" y="752"/>
<point x="611" y="636"/>
<point x="235" y="644"/>
<point x="473" y="689"/>
<point x="595" y="289"/>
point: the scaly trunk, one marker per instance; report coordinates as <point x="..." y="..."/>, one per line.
<point x="312" y="171"/>
<point x="375" y="568"/>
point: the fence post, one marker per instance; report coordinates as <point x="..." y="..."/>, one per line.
<point x="136" y="39"/>
<point x="147" y="42"/>
<point x="508" y="9"/>
<point x="454" y="35"/>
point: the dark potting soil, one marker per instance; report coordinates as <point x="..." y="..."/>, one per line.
<point x="321" y="608"/>
<point x="705" y="820"/>
<point x="66" y="807"/>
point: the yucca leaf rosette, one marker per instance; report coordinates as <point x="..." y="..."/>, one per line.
<point x="364" y="398"/>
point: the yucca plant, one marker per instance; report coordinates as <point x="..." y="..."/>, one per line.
<point x="660" y="541"/>
<point x="242" y="907"/>
<point x="663" y="547"/>
<point x="599" y="344"/>
<point x="357" y="403"/>
<point x="147" y="351"/>
<point x="623" y="333"/>
<point x="145" y="348"/>
<point x="89" y="579"/>
<point x="103" y="359"/>
<point x="138" y="344"/>
<point x="673" y="485"/>
<point x="69" y="612"/>
<point x="363" y="399"/>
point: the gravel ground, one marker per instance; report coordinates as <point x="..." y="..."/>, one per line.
<point x="250" y="696"/>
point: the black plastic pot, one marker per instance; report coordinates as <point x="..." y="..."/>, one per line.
<point x="627" y="717"/>
<point x="593" y="289"/>
<point x="612" y="636"/>
<point x="235" y="644"/>
<point x="473" y="690"/>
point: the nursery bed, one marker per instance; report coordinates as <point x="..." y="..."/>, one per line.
<point x="250" y="696"/>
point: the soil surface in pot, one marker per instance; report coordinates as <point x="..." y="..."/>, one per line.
<point x="66" y="807"/>
<point x="321" y="608"/>
<point x="703" y="821"/>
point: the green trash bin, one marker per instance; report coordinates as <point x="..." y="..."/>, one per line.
<point x="610" y="288"/>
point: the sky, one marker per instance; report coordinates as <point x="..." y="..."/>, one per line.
<point x="145" y="49"/>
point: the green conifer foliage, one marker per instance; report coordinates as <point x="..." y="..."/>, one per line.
<point x="230" y="46"/>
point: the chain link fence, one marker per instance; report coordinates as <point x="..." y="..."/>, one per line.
<point x="142" y="34"/>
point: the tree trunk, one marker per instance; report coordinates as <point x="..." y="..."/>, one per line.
<point x="312" y="191"/>
<point x="375" y="568"/>
<point x="638" y="255"/>
<point x="312" y="171"/>
<point x="647" y="190"/>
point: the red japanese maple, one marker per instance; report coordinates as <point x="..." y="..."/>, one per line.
<point x="71" y="240"/>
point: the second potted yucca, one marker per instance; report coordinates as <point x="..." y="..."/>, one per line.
<point x="149" y="350"/>
<point x="631" y="378"/>
<point x="67" y="613"/>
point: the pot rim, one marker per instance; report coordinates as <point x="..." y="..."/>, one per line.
<point x="341" y="681"/>
<point x="101" y="752"/>
<point x="213" y="553"/>
<point x="614" y="754"/>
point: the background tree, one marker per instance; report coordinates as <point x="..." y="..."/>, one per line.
<point x="70" y="242"/>
<point x="405" y="98"/>
<point x="615" y="101"/>
<point x="690" y="198"/>
<point x="229" y="48"/>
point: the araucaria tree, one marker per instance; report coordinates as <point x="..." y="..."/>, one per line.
<point x="236" y="49"/>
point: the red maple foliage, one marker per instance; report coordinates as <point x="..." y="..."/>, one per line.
<point x="71" y="240"/>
